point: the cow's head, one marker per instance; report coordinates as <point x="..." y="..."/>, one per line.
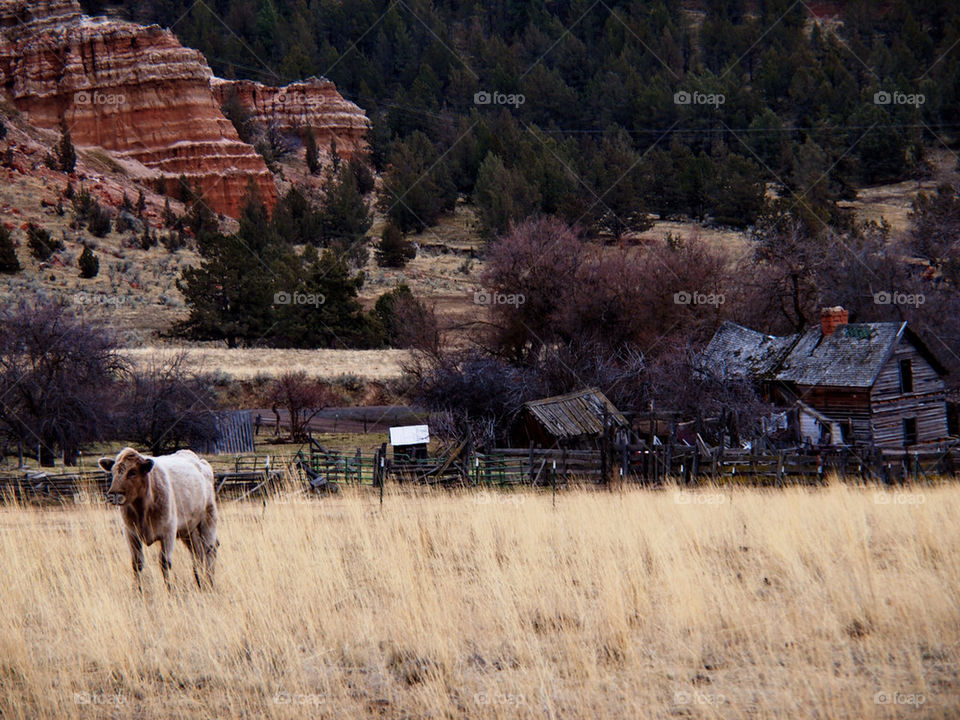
<point x="131" y="478"/>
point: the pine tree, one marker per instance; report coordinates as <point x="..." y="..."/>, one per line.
<point x="313" y="156"/>
<point x="41" y="245"/>
<point x="334" y="154"/>
<point x="66" y="154"/>
<point x="88" y="263"/>
<point x="394" y="250"/>
<point x="8" y="254"/>
<point x="345" y="216"/>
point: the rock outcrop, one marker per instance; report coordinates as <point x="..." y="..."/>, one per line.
<point x="136" y="92"/>
<point x="292" y="109"/>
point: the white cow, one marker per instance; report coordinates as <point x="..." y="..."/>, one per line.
<point x="165" y="498"/>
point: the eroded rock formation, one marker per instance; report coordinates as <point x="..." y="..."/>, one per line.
<point x="138" y="93"/>
<point x="313" y="103"/>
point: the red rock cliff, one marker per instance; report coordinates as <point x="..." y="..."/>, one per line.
<point x="130" y="89"/>
<point x="313" y="103"/>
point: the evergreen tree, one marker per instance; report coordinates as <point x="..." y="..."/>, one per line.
<point x="313" y="155"/>
<point x="417" y="188"/>
<point x="296" y="221"/>
<point x="339" y="321"/>
<point x="229" y="294"/>
<point x="9" y="263"/>
<point x="66" y="153"/>
<point x="502" y="196"/>
<point x="344" y="216"/>
<point x="394" y="250"/>
<point x="88" y="263"/>
<point x="41" y="245"/>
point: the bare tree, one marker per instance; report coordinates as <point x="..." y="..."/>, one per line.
<point x="481" y="394"/>
<point x="301" y="397"/>
<point x="527" y="278"/>
<point x="57" y="373"/>
<point x="166" y="407"/>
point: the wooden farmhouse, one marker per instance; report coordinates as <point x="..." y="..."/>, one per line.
<point x="874" y="384"/>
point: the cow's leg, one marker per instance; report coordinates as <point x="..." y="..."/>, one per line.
<point x="166" y="554"/>
<point x="136" y="554"/>
<point x="194" y="544"/>
<point x="207" y="531"/>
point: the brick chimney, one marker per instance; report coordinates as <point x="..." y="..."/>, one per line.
<point x="832" y="318"/>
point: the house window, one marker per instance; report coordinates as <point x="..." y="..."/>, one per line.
<point x="909" y="431"/>
<point x="906" y="376"/>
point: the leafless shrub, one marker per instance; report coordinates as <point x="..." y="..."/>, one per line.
<point x="166" y="407"/>
<point x="301" y="397"/>
<point x="57" y="373"/>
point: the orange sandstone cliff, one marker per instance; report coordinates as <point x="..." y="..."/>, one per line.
<point x="136" y="92"/>
<point x="312" y="104"/>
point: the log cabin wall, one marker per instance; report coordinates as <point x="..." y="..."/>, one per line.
<point x="842" y="405"/>
<point x="925" y="401"/>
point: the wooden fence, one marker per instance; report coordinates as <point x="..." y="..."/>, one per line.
<point x="253" y="476"/>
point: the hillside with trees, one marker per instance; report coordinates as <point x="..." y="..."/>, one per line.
<point x="602" y="114"/>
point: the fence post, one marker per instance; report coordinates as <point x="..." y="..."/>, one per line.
<point x="530" y="471"/>
<point x="554" y="477"/>
<point x="603" y="449"/>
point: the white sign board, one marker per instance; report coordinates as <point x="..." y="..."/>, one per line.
<point x="410" y="435"/>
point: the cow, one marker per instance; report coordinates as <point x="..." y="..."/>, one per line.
<point x="164" y="498"/>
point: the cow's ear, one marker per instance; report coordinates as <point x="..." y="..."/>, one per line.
<point x="106" y="463"/>
<point x="147" y="465"/>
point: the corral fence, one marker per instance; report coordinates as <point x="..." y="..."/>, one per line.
<point x="320" y="470"/>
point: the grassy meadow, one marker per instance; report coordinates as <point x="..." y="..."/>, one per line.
<point x="800" y="603"/>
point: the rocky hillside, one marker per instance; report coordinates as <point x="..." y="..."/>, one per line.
<point x="136" y="92"/>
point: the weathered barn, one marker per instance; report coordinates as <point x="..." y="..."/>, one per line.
<point x="876" y="383"/>
<point x="574" y="420"/>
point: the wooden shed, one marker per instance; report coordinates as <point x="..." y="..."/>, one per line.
<point x="877" y="383"/>
<point x="574" y="420"/>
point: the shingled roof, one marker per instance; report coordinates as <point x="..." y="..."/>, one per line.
<point x="575" y="414"/>
<point x="736" y="351"/>
<point x="851" y="356"/>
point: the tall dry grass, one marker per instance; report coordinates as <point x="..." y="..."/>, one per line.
<point x="837" y="603"/>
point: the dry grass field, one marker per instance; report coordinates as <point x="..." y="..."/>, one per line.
<point x="832" y="603"/>
<point x="248" y="363"/>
